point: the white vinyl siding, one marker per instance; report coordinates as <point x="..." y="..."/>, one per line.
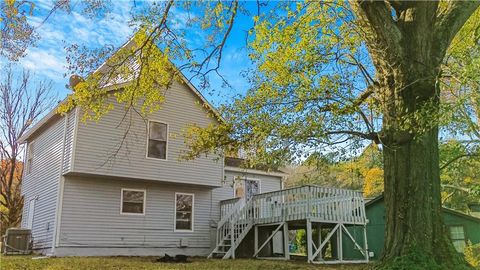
<point x="104" y="149"/>
<point x="90" y="215"/>
<point x="42" y="183"/>
<point x="91" y="207"/>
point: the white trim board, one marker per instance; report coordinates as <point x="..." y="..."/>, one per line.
<point x="253" y="171"/>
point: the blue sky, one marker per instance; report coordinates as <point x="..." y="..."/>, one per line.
<point x="47" y="59"/>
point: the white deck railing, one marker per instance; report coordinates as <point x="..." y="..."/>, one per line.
<point x="226" y="206"/>
<point x="320" y="203"/>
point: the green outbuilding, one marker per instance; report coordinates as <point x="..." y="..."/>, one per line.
<point x="462" y="228"/>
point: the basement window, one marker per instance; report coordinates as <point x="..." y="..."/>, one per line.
<point x="457" y="234"/>
<point x="157" y="140"/>
<point x="133" y="201"/>
<point x="184" y="212"/>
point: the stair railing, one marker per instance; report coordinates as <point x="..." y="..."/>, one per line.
<point x="223" y="227"/>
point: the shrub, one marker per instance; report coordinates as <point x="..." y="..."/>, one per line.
<point x="472" y="255"/>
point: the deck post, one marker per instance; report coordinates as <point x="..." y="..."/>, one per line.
<point x="365" y="244"/>
<point x="232" y="232"/>
<point x="255" y="230"/>
<point x="286" y="248"/>
<point x="339" y="243"/>
<point x="319" y="241"/>
<point x="309" y="241"/>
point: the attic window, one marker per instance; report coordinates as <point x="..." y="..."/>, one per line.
<point x="157" y="140"/>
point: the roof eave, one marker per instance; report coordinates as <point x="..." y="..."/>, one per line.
<point x="254" y="171"/>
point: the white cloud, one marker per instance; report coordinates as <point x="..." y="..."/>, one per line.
<point x="48" y="63"/>
<point x="47" y="59"/>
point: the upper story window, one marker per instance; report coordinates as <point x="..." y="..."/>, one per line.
<point x="457" y="234"/>
<point x="133" y="201"/>
<point x="183" y="212"/>
<point x="157" y="140"/>
<point x="30" y="157"/>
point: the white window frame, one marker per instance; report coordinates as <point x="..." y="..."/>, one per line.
<point x="250" y="179"/>
<point x="175" y="212"/>
<point x="148" y="139"/>
<point x="144" y="201"/>
<point x="30" y="155"/>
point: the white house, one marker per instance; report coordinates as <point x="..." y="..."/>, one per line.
<point x="91" y="190"/>
<point x="88" y="193"/>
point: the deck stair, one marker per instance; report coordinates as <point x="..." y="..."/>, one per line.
<point x="232" y="229"/>
<point x="309" y="203"/>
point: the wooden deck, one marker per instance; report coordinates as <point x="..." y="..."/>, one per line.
<point x="301" y="205"/>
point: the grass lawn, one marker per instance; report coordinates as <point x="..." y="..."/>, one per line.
<point x="147" y="263"/>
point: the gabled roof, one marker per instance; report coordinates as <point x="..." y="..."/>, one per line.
<point x="51" y="115"/>
<point x="380" y="198"/>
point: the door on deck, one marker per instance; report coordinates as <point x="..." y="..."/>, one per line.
<point x="246" y="188"/>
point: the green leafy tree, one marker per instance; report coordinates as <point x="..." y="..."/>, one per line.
<point x="459" y="174"/>
<point x="352" y="173"/>
<point x="306" y="95"/>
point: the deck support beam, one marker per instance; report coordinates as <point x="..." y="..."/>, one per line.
<point x="309" y="241"/>
<point x="365" y="244"/>
<point x="286" y="242"/>
<point x="255" y="236"/>
<point x="319" y="241"/>
<point x="340" y="242"/>
<point x="232" y="235"/>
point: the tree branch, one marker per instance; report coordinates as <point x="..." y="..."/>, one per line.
<point x="378" y="15"/>
<point x="368" y="136"/>
<point x="450" y="20"/>
<point x="446" y="164"/>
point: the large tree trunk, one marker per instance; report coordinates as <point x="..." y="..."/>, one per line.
<point x="415" y="230"/>
<point x="407" y="41"/>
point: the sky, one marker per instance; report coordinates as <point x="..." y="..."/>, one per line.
<point x="47" y="59"/>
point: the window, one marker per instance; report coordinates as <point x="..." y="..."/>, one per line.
<point x="457" y="234"/>
<point x="133" y="201"/>
<point x="157" y="140"/>
<point x="30" y="158"/>
<point x="183" y="212"/>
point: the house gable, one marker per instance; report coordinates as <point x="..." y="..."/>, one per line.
<point x="116" y="145"/>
